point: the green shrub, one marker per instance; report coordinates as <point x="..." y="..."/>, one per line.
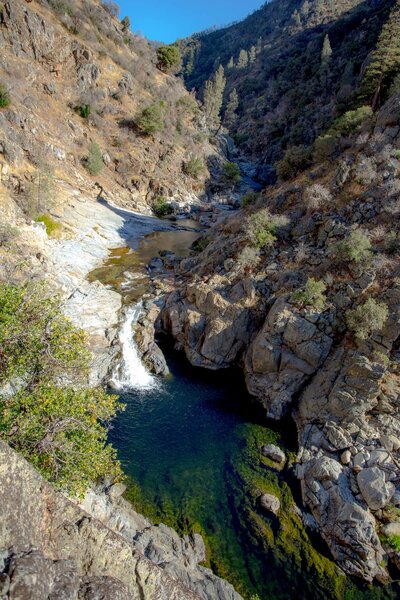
<point x="325" y="146"/>
<point x="160" y="207"/>
<point x="84" y="111"/>
<point x="249" y="198"/>
<point x="311" y="294"/>
<point x="52" y="227"/>
<point x="94" y="161"/>
<point x="62" y="8"/>
<point x="200" y="245"/>
<point x="296" y="160"/>
<point x="397" y="154"/>
<point x="248" y="259"/>
<point x="151" y="119"/>
<point x="194" y="167"/>
<point x="262" y="227"/>
<point x="4" y="97"/>
<point x="232" y="172"/>
<point x="168" y="57"/>
<point x="126" y="23"/>
<point x="392" y="243"/>
<point x="350" y="122"/>
<point x="394" y="542"/>
<point x="367" y="318"/>
<point x="57" y="425"/>
<point x="188" y="104"/>
<point x="356" y="248"/>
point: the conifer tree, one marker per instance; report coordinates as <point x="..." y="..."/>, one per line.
<point x="326" y="53"/>
<point x="326" y="57"/>
<point x="385" y="61"/>
<point x="231" y="108"/>
<point x="252" y="54"/>
<point x="231" y="64"/>
<point x="213" y="96"/>
<point x="243" y="59"/>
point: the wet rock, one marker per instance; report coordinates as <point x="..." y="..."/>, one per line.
<point x="376" y="492"/>
<point x="270" y="503"/>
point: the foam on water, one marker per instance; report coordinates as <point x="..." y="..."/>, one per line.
<point x="131" y="374"/>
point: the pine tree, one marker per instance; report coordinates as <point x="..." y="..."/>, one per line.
<point x="385" y="61"/>
<point x="213" y="96"/>
<point x="252" y="54"/>
<point x="231" y="108"/>
<point x="326" y="53"/>
<point x="231" y="64"/>
<point x="326" y="56"/>
<point x="243" y="59"/>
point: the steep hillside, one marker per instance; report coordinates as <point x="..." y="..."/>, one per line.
<point x="295" y="65"/>
<point x="77" y="81"/>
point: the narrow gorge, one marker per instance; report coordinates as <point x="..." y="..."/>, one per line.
<point x="200" y="304"/>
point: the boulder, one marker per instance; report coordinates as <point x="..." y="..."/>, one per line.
<point x="274" y="453"/>
<point x="270" y="503"/>
<point x="376" y="492"/>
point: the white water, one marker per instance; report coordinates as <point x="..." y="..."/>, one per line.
<point x="131" y="374"/>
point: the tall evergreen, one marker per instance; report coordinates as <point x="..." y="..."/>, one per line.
<point x="252" y="54"/>
<point x="385" y="61"/>
<point x="231" y="108"/>
<point x="243" y="59"/>
<point x="326" y="53"/>
<point x="213" y="96"/>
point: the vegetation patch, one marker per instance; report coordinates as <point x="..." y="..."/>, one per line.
<point x="47" y="413"/>
<point x="160" y="207"/>
<point x="151" y="119"/>
<point x="311" y="294"/>
<point x="367" y="318"/>
<point x="94" y="160"/>
<point x="4" y="97"/>
<point x="53" y="228"/>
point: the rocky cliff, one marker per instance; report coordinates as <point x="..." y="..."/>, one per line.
<point x="299" y="349"/>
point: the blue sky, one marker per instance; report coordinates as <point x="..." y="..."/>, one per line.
<point x="167" y="20"/>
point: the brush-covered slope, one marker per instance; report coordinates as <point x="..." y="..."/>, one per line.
<point x="77" y="81"/>
<point x="295" y="65"/>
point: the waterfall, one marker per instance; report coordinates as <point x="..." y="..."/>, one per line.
<point x="131" y="374"/>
